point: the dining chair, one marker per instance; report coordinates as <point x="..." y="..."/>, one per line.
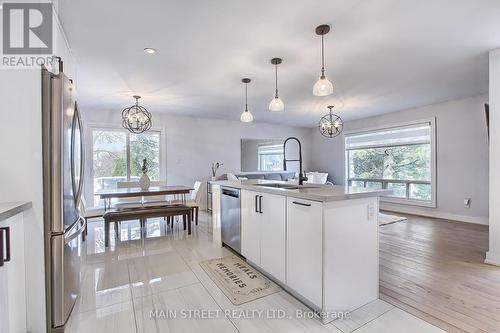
<point x="193" y="201"/>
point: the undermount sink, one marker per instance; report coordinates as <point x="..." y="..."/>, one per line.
<point x="285" y="186"/>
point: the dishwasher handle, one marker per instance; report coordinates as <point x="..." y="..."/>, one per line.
<point x="231" y="193"/>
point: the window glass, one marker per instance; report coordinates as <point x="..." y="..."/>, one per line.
<point x="402" y="162"/>
<point x="109" y="159"/>
<point x="145" y="145"/>
<point x="118" y="156"/>
<point x="403" y="154"/>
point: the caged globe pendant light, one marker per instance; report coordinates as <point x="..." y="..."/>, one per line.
<point x="136" y="118"/>
<point x="323" y="87"/>
<point x="330" y="125"/>
<point x="276" y="103"/>
<point x="246" y="116"/>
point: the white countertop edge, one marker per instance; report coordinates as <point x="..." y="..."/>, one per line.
<point x="9" y="209"/>
<point x="322" y="193"/>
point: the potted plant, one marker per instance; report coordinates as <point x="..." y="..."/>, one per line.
<point x="144" y="181"/>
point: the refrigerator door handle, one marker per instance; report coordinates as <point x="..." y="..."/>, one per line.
<point x="78" y="118"/>
<point x="80" y="228"/>
<point x="76" y="125"/>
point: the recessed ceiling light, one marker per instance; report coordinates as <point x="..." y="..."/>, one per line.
<point x="149" y="50"/>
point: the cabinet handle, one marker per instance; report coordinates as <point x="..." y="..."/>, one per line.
<point x="5" y="259"/>
<point x="260" y="204"/>
<point x="1" y="247"/>
<point x="301" y="204"/>
<point x="256" y="204"/>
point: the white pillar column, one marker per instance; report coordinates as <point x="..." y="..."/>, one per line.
<point x="493" y="255"/>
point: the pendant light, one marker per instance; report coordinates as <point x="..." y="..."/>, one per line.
<point x="246" y="116"/>
<point x="276" y="103"/>
<point x="136" y="118"/>
<point x="330" y="125"/>
<point x="323" y="86"/>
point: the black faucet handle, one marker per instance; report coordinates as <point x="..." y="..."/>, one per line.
<point x="302" y="178"/>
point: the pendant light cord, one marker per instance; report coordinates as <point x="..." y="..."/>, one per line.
<point x="276" y="94"/>
<point x="246" y="97"/>
<point x="322" y="56"/>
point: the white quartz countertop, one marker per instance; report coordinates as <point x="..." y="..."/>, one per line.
<point x="315" y="192"/>
<point x="9" y="209"/>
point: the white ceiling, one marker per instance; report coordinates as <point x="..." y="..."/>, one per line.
<point x="382" y="55"/>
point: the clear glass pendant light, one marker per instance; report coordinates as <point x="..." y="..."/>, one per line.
<point x="246" y="116"/>
<point x="276" y="103"/>
<point x="323" y="87"/>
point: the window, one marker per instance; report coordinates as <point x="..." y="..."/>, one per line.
<point x="118" y="155"/>
<point x="270" y="157"/>
<point x="396" y="158"/>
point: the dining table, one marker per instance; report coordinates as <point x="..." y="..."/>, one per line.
<point x="108" y="194"/>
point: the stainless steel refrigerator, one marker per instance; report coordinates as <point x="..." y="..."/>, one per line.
<point x="63" y="161"/>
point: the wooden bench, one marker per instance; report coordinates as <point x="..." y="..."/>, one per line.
<point x="142" y="214"/>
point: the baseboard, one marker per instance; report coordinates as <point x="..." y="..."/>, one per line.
<point x="435" y="214"/>
<point x="492" y="258"/>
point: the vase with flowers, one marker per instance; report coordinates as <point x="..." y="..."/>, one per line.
<point x="215" y="167"/>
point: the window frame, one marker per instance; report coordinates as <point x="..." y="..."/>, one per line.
<point x="433" y="182"/>
<point x="90" y="146"/>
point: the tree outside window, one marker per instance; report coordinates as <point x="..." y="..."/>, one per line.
<point x="118" y="155"/>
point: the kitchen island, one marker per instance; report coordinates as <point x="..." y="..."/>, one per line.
<point x="319" y="242"/>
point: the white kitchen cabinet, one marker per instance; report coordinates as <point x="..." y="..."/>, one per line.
<point x="320" y="245"/>
<point x="272" y="246"/>
<point x="250" y="226"/>
<point x="344" y="221"/>
<point x="12" y="277"/>
<point x="263" y="231"/>
<point x="304" y="249"/>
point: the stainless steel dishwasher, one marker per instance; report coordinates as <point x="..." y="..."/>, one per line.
<point x="231" y="218"/>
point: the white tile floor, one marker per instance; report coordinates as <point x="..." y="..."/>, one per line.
<point x="123" y="285"/>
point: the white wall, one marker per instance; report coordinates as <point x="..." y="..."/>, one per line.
<point x="21" y="175"/>
<point x="462" y="156"/>
<point x="493" y="255"/>
<point x="192" y="144"/>
<point x="21" y="168"/>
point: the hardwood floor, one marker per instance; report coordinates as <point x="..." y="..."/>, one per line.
<point x="434" y="269"/>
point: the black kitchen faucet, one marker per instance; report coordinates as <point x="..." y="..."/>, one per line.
<point x="302" y="177"/>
